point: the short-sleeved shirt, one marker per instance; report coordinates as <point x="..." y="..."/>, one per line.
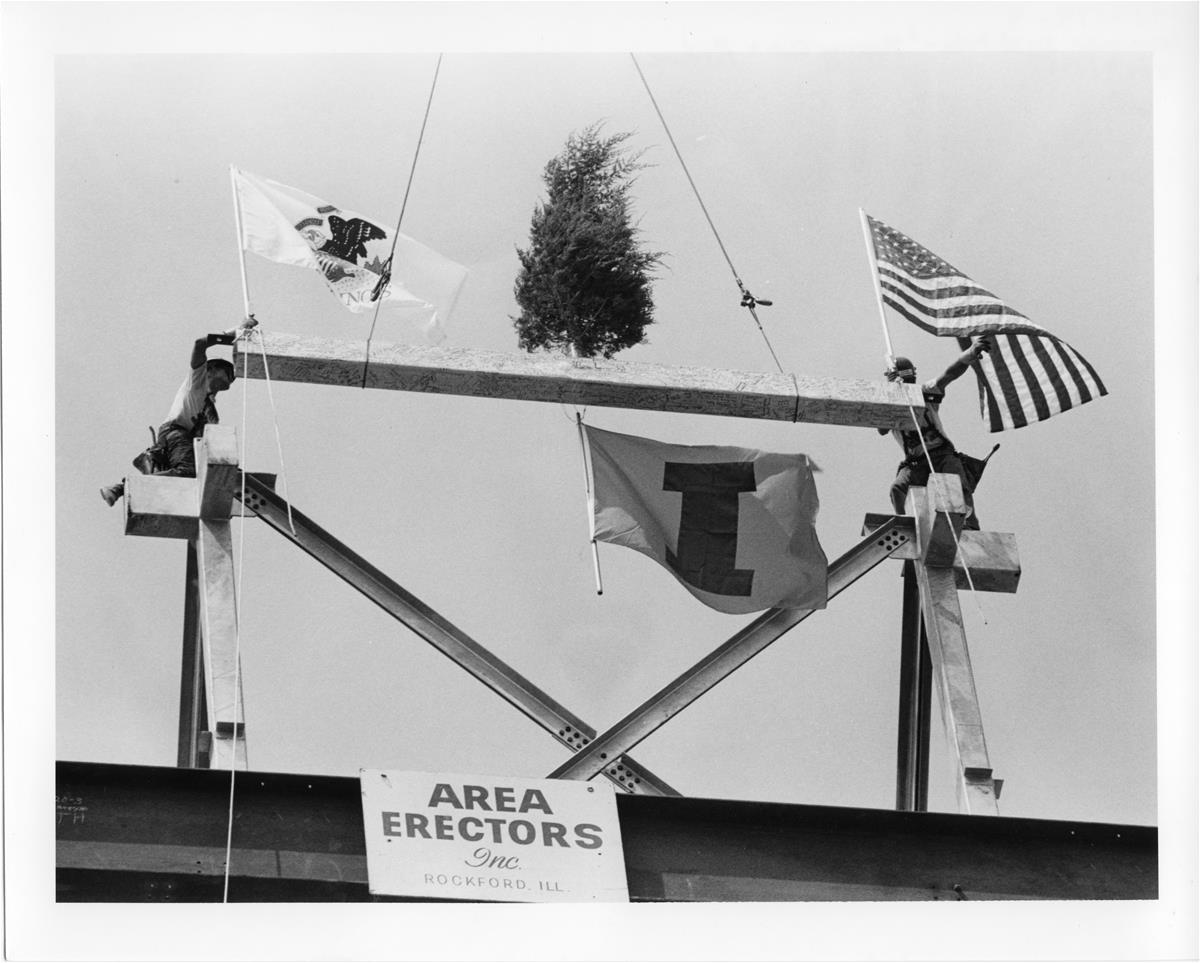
<point x="931" y="424"/>
<point x="193" y="406"/>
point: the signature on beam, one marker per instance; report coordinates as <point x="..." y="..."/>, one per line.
<point x="70" y="807"/>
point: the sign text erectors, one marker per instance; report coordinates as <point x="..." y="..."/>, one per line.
<point x="445" y="836"/>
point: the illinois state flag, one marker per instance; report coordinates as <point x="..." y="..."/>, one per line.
<point x="350" y="251"/>
<point x="735" y="526"/>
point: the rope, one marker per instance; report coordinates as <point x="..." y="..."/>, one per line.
<point x="278" y="442"/>
<point x="237" y="637"/>
<point x="748" y="300"/>
<point x="237" y="645"/>
<point x="386" y="272"/>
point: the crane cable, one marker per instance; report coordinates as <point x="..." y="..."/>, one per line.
<point x="748" y="300"/>
<point x="385" y="273"/>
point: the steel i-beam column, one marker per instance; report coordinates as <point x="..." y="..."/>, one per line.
<point x="192" y="716"/>
<point x="912" y="731"/>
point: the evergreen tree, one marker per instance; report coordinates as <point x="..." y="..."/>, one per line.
<point x="584" y="286"/>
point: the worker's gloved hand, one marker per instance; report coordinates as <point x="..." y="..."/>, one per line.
<point x="982" y="345"/>
<point x="244" y="329"/>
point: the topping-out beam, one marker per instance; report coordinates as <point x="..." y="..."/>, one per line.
<point x="581" y="381"/>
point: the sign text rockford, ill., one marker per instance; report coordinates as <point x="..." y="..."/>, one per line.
<point x="488" y="838"/>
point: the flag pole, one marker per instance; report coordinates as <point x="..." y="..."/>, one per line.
<point x="237" y="220"/>
<point x="887" y="337"/>
<point x="591" y="508"/>
<point x="871" y="256"/>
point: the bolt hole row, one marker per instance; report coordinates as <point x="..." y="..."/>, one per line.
<point x="624" y="776"/>
<point x="573" y="737"/>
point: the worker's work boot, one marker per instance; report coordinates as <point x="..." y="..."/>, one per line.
<point x="111" y="493"/>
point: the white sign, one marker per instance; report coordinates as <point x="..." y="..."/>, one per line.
<point x="450" y="836"/>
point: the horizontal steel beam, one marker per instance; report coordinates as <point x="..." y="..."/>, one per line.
<point x="168" y="506"/>
<point x="145" y="834"/>
<point x="986" y="561"/>
<point x="579" y="381"/>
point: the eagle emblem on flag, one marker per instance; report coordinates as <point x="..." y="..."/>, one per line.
<point x="339" y="245"/>
<point x="354" y="254"/>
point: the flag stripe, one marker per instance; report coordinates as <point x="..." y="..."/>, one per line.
<point x="966" y="307"/>
<point x="904" y="313"/>
<point x="1087" y="378"/>
<point x="1031" y="377"/>
<point x="1054" y="374"/>
<point x="1026" y="379"/>
<point x="1005" y="370"/>
<point x="1028" y="376"/>
<point x="989" y="407"/>
<point x="965" y="304"/>
<point x="958" y="302"/>
<point x="939" y="288"/>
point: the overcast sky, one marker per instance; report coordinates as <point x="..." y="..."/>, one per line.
<point x="1033" y="172"/>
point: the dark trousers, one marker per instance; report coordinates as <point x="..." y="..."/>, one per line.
<point x="916" y="472"/>
<point x="178" y="452"/>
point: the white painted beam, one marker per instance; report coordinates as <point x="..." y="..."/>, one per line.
<point x="956" y="686"/>
<point x="580" y="381"/>
<point x="991" y="557"/>
<point x="218" y="624"/>
<point x="955" y="679"/>
<point x="216" y="470"/>
<point x="161" y="506"/>
<point x="167" y="506"/>
<point x="939" y="509"/>
<point x="992" y="560"/>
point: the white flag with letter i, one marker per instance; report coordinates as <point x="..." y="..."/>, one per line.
<point x="735" y="526"/>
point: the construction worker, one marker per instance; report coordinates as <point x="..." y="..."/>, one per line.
<point x="937" y="448"/>
<point x="192" y="409"/>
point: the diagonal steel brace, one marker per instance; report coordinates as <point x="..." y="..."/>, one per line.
<point x="444" y="636"/>
<point x="728" y="657"/>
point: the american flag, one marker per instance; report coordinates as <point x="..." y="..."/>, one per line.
<point x="1026" y="378"/>
<point x="1028" y="375"/>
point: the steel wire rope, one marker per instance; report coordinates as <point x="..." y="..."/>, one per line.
<point x="247" y="334"/>
<point x="237" y="618"/>
<point x="386" y="272"/>
<point x="748" y="300"/>
<point x="237" y="612"/>
<point x="278" y="438"/>
<point x="237" y="635"/>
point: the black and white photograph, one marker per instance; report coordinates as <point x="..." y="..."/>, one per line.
<point x="738" y="459"/>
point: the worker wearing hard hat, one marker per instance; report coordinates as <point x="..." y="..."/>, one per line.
<point x="931" y="443"/>
<point x="193" y="408"/>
